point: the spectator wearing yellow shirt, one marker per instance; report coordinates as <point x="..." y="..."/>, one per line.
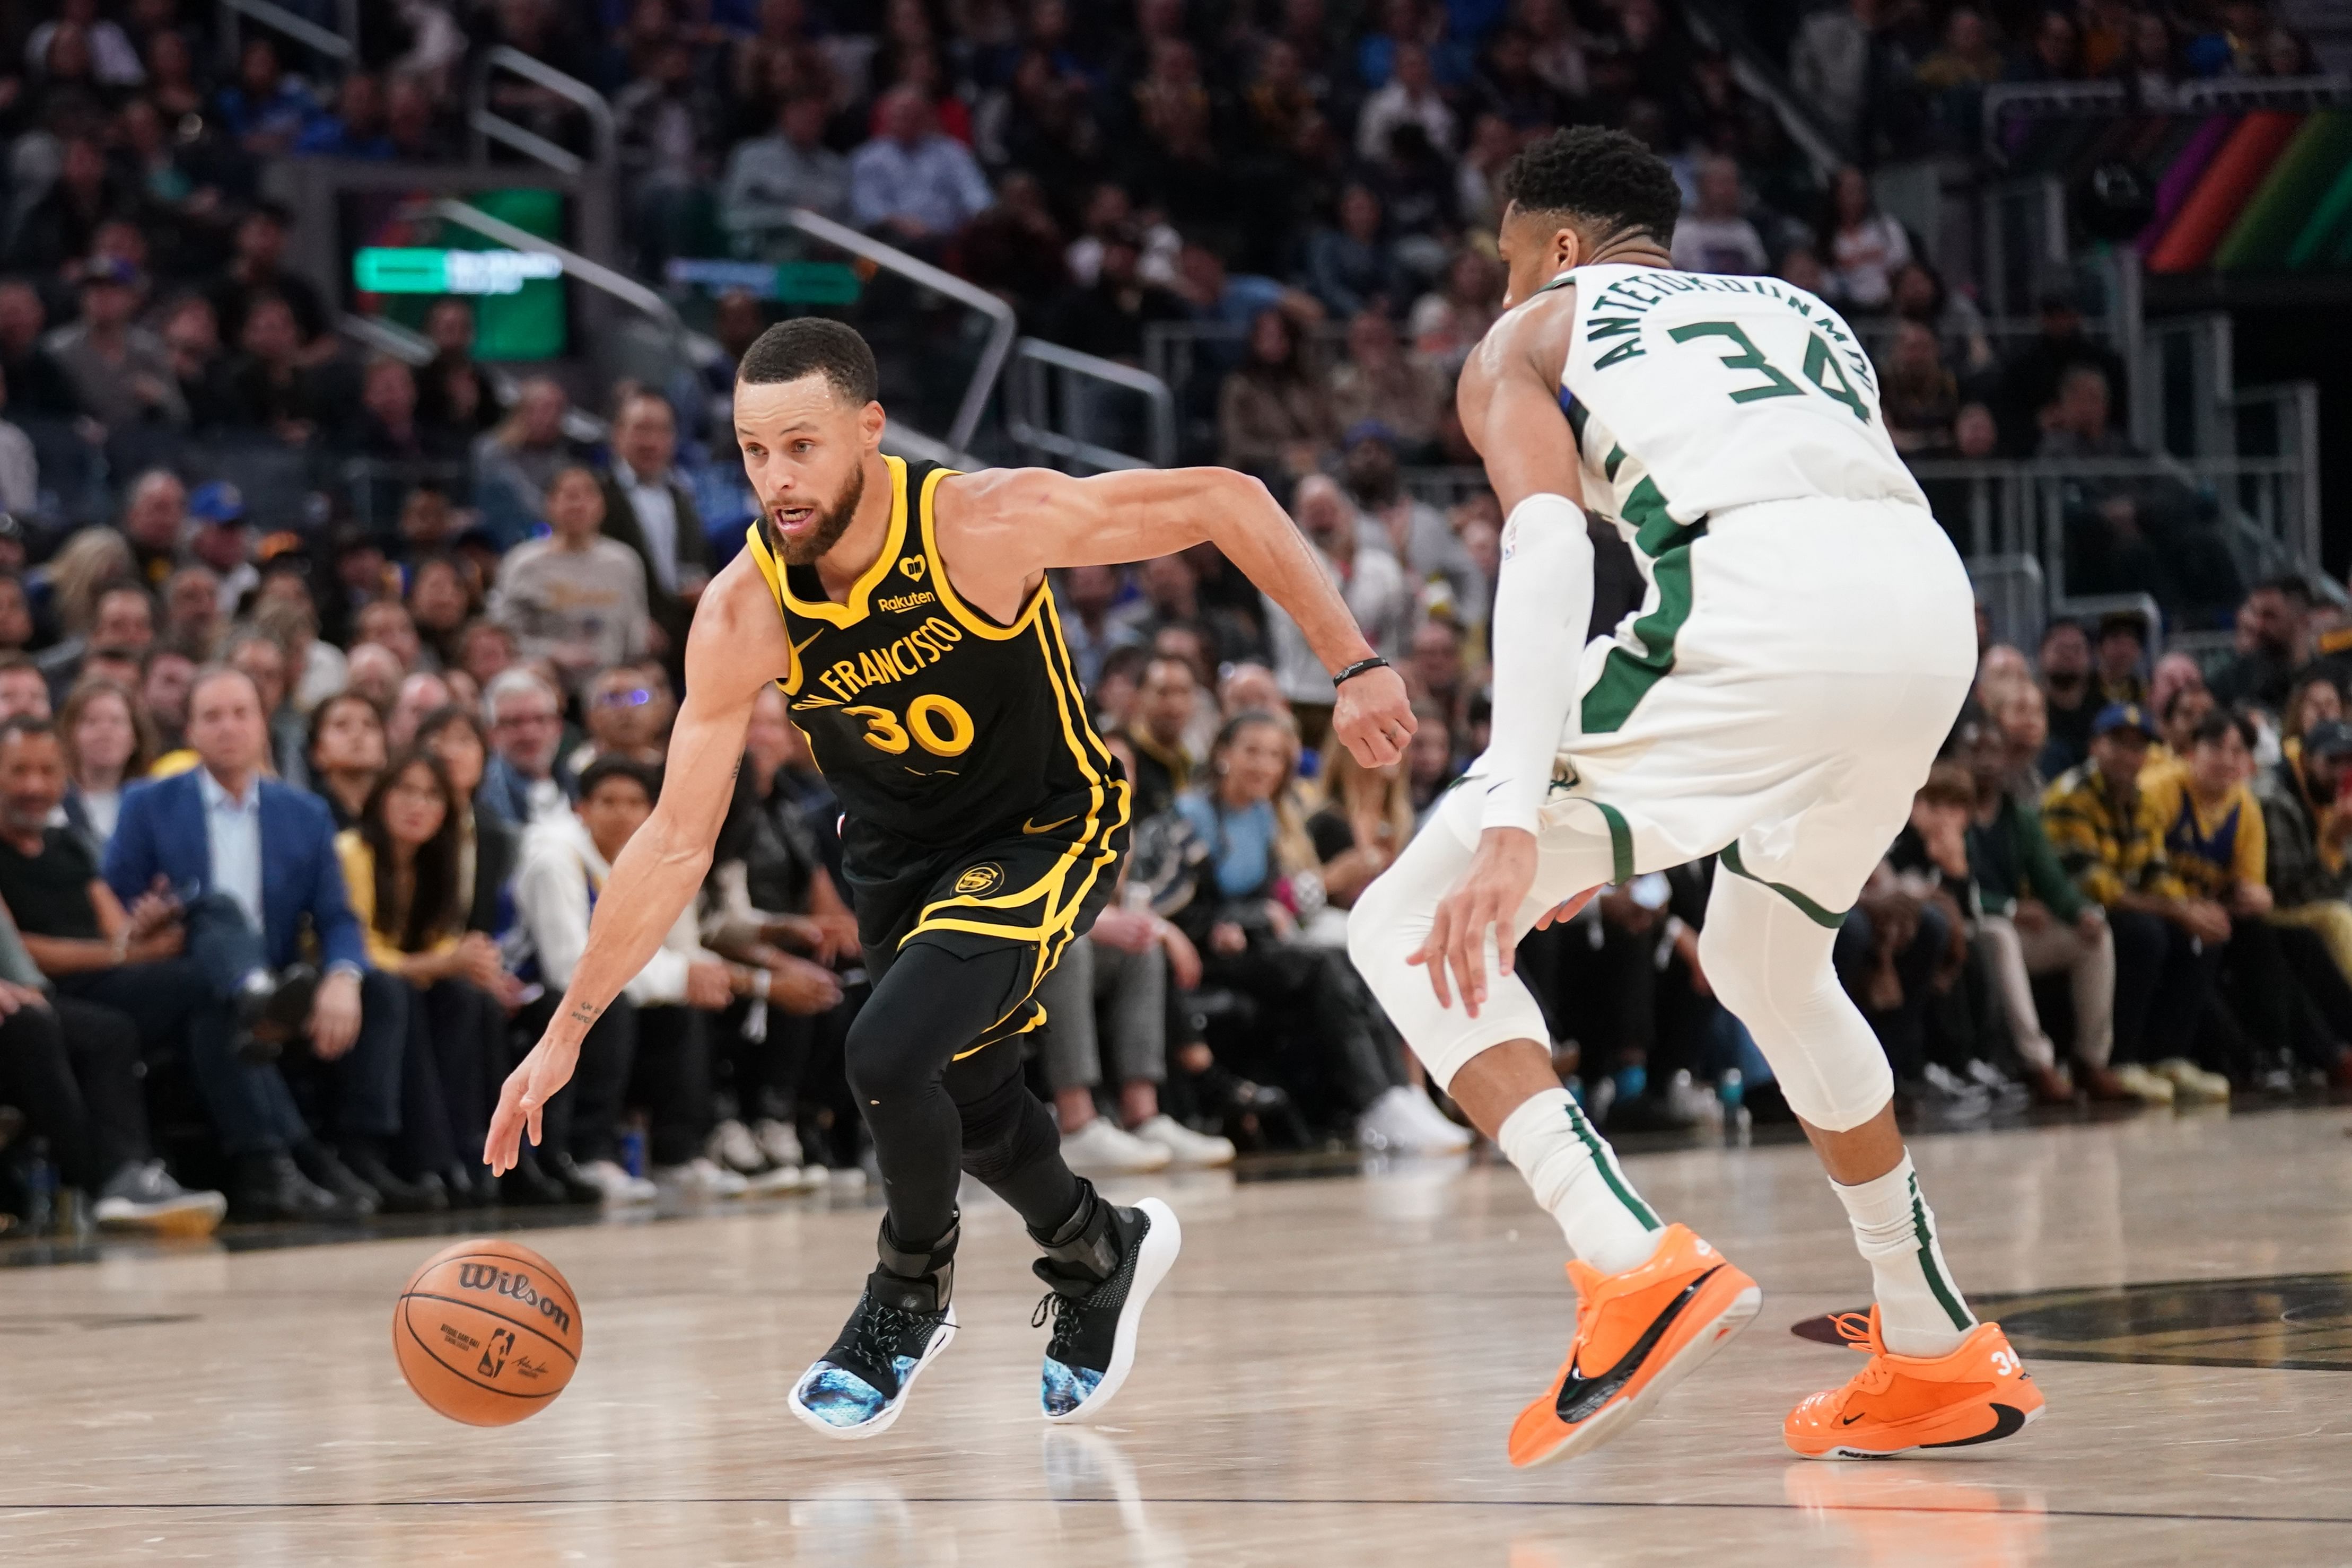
<point x="2213" y="839"/>
<point x="429" y="977"/>
<point x="2168" y="942"/>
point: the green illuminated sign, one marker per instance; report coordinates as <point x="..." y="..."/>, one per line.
<point x="400" y="270"/>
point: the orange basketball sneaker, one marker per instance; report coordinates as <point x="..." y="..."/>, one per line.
<point x="1979" y="1392"/>
<point x="1638" y="1334"/>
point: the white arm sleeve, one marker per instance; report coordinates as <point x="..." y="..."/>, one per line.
<point x="1543" y="604"/>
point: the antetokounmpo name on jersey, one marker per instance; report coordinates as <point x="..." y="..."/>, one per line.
<point x="1635" y="296"/>
<point x="926" y="645"/>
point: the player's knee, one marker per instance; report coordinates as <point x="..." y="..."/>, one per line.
<point x="1734" y="980"/>
<point x="1382" y="929"/>
<point x="883" y="1063"/>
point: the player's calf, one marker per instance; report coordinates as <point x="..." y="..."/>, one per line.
<point x="902" y="1322"/>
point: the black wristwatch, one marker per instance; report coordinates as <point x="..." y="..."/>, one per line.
<point x="1358" y="668"/>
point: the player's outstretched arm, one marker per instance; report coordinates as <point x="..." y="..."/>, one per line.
<point x="1009" y="525"/>
<point x="1510" y="409"/>
<point x="737" y="645"/>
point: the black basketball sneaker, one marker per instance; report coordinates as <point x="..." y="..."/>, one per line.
<point x="1100" y="1279"/>
<point x="903" y="1322"/>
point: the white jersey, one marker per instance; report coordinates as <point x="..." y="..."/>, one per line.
<point x="1690" y="394"/>
<point x="1729" y="428"/>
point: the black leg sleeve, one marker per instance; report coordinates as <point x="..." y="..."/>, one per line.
<point x="926" y="1009"/>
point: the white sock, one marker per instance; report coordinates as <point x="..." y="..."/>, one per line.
<point x="1920" y="1311"/>
<point x="1577" y="1182"/>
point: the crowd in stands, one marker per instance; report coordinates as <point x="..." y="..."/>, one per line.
<point x="305" y="796"/>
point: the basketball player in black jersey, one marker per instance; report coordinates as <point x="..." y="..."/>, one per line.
<point x="904" y="609"/>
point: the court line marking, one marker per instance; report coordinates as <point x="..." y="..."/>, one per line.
<point x="1197" y="1501"/>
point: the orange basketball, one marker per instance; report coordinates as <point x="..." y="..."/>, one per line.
<point x="486" y="1332"/>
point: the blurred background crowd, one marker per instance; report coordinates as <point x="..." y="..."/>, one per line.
<point x="336" y="663"/>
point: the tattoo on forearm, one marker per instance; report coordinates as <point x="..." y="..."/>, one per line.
<point x="584" y="1012"/>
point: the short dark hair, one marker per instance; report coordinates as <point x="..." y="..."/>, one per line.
<point x="645" y="775"/>
<point x="2291" y="585"/>
<point x="26" y="723"/>
<point x="12" y="662"/>
<point x="808" y="345"/>
<point x="1605" y="176"/>
<point x="2216" y="726"/>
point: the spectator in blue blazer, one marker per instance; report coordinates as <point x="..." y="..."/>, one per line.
<point x="252" y="862"/>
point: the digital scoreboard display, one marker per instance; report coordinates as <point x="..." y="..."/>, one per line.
<point x="404" y="261"/>
<point x="385" y="269"/>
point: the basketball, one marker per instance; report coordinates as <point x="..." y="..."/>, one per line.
<point x="486" y="1331"/>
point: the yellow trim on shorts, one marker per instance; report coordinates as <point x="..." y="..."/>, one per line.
<point x="1053" y="934"/>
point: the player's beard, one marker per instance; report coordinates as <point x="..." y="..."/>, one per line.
<point x="832" y="522"/>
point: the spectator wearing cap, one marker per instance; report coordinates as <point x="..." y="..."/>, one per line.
<point x="1393" y="519"/>
<point x="2308" y="827"/>
<point x="912" y="183"/>
<point x="649" y="508"/>
<point x="2168" y="942"/>
<point x="118" y="370"/>
<point x="223" y="541"/>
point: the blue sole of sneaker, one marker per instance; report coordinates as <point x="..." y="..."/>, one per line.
<point x="880" y="1424"/>
<point x="1155" y="1257"/>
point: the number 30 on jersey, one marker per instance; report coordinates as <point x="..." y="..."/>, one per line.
<point x="937" y="723"/>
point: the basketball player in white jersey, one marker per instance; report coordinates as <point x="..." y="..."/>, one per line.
<point x="1806" y="639"/>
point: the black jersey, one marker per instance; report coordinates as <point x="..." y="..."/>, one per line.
<point x="938" y="728"/>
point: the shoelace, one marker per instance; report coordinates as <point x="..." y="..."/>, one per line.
<point x="1063" y="1311"/>
<point x="1854" y="1328"/>
<point x="882" y="1327"/>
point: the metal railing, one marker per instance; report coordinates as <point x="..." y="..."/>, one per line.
<point x="2014" y="594"/>
<point x="487" y="126"/>
<point x="2043" y="101"/>
<point x="1056" y="404"/>
<point x="2261" y="505"/>
<point x="341" y="45"/>
<point x="995" y="351"/>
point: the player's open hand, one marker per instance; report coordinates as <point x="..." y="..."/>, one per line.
<point x="523" y="1100"/>
<point x="1373" y="716"/>
<point x="1486" y="900"/>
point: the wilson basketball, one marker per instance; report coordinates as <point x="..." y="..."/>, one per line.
<point x="486" y="1332"/>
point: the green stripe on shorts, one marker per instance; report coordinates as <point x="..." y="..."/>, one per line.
<point x="1805" y="907"/>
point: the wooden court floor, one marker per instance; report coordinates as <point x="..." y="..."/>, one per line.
<point x="1325" y="1380"/>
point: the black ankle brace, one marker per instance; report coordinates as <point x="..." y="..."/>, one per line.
<point x="1084" y="1244"/>
<point x="920" y="1281"/>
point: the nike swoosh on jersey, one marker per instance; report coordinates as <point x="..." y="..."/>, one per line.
<point x="1581" y="1395"/>
<point x="1049" y="827"/>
